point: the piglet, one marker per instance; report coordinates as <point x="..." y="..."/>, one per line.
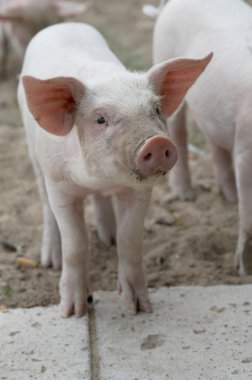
<point x="220" y="102"/>
<point x="22" y="19"/>
<point x="95" y="128"/>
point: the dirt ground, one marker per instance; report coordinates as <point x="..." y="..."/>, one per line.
<point x="185" y="243"/>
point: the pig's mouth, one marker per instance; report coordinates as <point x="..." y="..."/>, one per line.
<point x="140" y="176"/>
<point x="154" y="158"/>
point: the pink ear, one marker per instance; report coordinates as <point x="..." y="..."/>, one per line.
<point x="64" y="9"/>
<point x="53" y="102"/>
<point x="172" y="79"/>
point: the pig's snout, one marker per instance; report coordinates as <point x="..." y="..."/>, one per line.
<point x="157" y="154"/>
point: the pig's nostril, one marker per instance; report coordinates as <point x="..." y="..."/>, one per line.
<point x="157" y="155"/>
<point x="147" y="157"/>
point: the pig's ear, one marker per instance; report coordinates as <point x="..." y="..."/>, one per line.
<point x="172" y="79"/>
<point x="53" y="102"/>
<point x="64" y="9"/>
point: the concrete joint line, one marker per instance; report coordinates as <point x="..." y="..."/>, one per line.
<point x="94" y="346"/>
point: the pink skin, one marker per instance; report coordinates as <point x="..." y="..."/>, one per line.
<point x="87" y="126"/>
<point x="157" y="154"/>
<point x="220" y="108"/>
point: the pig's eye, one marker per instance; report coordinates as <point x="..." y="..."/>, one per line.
<point x="101" y="120"/>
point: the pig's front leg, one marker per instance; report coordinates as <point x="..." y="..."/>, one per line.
<point x="105" y="219"/>
<point x="68" y="211"/>
<point x="180" y="174"/>
<point x="130" y="207"/>
<point x="224" y="172"/>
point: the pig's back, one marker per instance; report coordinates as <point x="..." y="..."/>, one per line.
<point x="63" y="49"/>
<point x="194" y="28"/>
<point x="186" y="27"/>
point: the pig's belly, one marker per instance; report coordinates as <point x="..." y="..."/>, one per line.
<point x="213" y="118"/>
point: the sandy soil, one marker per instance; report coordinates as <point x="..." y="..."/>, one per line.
<point x="184" y="242"/>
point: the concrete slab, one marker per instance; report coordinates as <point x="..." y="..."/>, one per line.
<point x="38" y="344"/>
<point x="194" y="333"/>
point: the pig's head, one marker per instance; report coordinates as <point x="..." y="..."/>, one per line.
<point x="27" y="17"/>
<point x="120" y="120"/>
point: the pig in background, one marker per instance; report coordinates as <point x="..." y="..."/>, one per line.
<point x="94" y="127"/>
<point x="20" y="20"/>
<point x="220" y="102"/>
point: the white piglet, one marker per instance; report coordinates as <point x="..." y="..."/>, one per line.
<point x="220" y="102"/>
<point x="94" y="127"/>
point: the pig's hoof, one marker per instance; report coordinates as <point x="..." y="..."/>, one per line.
<point x="132" y="290"/>
<point x="246" y="268"/>
<point x="145" y="306"/>
<point x="107" y="236"/>
<point x="67" y="310"/>
<point x="51" y="259"/>
<point x="133" y="308"/>
<point x="55" y="264"/>
<point x="244" y="260"/>
<point x="133" y="304"/>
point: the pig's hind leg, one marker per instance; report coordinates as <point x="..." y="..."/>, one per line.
<point x="51" y="242"/>
<point x="105" y="219"/>
<point x="243" y="167"/>
<point x="180" y="175"/>
<point x="224" y="172"/>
